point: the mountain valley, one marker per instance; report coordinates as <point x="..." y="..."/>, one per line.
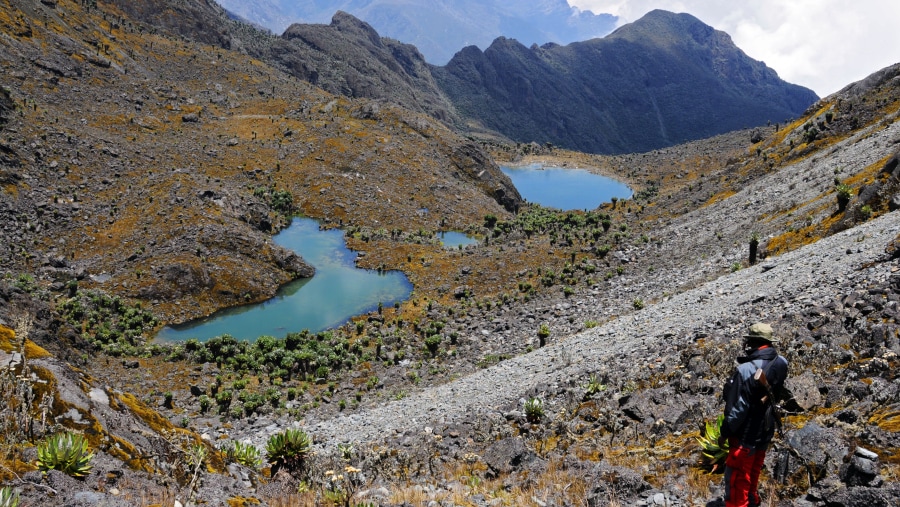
<point x="149" y="150"/>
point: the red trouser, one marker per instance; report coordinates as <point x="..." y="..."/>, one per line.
<point x="742" y="469"/>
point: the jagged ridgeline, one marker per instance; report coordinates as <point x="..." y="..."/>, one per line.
<point x="662" y="80"/>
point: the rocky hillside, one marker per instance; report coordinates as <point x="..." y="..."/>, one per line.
<point x="349" y="58"/>
<point x="161" y="167"/>
<point x="567" y="359"/>
<point x="664" y="79"/>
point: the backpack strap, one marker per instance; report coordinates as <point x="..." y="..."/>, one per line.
<point x="770" y="396"/>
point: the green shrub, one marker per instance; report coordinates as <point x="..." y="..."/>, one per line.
<point x="544" y="331"/>
<point x="844" y="194"/>
<point x="865" y="212"/>
<point x="25" y="283"/>
<point x="713" y="454"/>
<point x="244" y="454"/>
<point x="223" y="399"/>
<point x="109" y="323"/>
<point x="8" y="497"/>
<point x="593" y="386"/>
<point x="534" y="409"/>
<point x="432" y="343"/>
<point x="288" y="449"/>
<point x="67" y="452"/>
<point x="346" y="451"/>
<point x="205" y="403"/>
<point x="811" y="135"/>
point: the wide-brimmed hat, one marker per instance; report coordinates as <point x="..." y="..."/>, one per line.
<point x="761" y="331"/>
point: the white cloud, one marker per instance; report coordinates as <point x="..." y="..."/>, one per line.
<point x="822" y="44"/>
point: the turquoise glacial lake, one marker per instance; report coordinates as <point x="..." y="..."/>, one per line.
<point x="565" y="189"/>
<point x="454" y="240"/>
<point x="339" y="290"/>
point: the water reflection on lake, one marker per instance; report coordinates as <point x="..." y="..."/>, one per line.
<point x="454" y="240"/>
<point x="337" y="292"/>
<point x="565" y="189"/>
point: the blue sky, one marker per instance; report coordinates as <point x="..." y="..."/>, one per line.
<point x="821" y="44"/>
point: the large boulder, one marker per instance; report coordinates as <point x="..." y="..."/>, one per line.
<point x="820" y="450"/>
<point x="804" y="391"/>
<point x="507" y="456"/>
<point x="611" y="482"/>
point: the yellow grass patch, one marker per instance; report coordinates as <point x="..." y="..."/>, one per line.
<point x="721" y="196"/>
<point x="7" y="339"/>
<point x="794" y="239"/>
<point x="887" y="419"/>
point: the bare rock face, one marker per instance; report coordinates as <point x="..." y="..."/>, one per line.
<point x="871" y="196"/>
<point x="7" y="106"/>
<point x="293" y="263"/>
<point x="474" y="165"/>
<point x="187" y="278"/>
<point x="507" y="455"/>
<point x="348" y="57"/>
<point x="197" y="19"/>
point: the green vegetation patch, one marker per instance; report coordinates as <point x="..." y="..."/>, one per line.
<point x="110" y="323"/>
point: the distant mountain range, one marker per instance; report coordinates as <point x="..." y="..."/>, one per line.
<point x="664" y="79"/>
<point x="438" y="28"/>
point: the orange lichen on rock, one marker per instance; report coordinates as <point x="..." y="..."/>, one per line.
<point x="152" y="418"/>
<point x="240" y="501"/>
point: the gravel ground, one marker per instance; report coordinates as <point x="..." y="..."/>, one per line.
<point x="813" y="273"/>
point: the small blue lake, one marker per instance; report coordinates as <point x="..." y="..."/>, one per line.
<point x="339" y="290"/>
<point x="453" y="240"/>
<point x="565" y="189"/>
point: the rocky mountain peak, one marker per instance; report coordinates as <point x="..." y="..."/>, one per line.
<point x="660" y="28"/>
<point x="352" y="25"/>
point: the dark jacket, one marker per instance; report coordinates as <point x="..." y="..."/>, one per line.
<point x="747" y="418"/>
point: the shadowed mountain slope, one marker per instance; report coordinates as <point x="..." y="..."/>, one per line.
<point x="664" y="79"/>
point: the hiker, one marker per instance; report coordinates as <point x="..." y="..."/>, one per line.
<point x="750" y="417"/>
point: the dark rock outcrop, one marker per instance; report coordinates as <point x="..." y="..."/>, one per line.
<point x="349" y="58"/>
<point x="7" y="106"/>
<point x="475" y="166"/>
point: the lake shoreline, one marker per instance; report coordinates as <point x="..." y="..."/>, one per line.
<point x="564" y="159"/>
